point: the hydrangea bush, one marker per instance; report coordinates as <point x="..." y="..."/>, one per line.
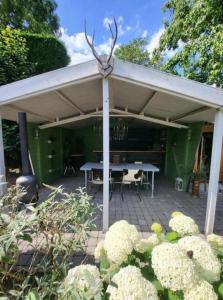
<point x="181" y="264"/>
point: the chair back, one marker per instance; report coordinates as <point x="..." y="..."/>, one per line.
<point x="97" y="175"/>
<point x="132" y="176"/>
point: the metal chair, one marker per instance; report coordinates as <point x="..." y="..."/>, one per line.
<point x="69" y="166"/>
<point x="96" y="178"/>
<point x="131" y="177"/>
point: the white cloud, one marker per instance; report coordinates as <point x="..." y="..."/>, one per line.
<point x="154" y="42"/>
<point x="122" y="29"/>
<point x="171" y="53"/>
<point x="78" y="49"/>
<point x="107" y="21"/>
<point x="144" y="34"/>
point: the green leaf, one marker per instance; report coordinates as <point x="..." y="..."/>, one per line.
<point x="32" y="295"/>
<point x="5" y="218"/>
<point x="25" y="237"/>
<point x="148" y="273"/>
<point x="220" y="252"/>
<point x="174" y="295"/>
<point x="220" y="291"/>
<point x="172" y="236"/>
<point x="104" y="264"/>
<point x="157" y="285"/>
<point x="112" y="283"/>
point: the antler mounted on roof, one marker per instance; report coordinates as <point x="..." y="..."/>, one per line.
<point x="105" y="62"/>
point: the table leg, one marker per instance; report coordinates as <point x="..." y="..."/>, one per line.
<point x="152" y="188"/>
<point x="147" y="180"/>
<point x="85" y="172"/>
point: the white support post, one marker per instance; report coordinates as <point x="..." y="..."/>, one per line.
<point x="105" y="92"/>
<point x="214" y="172"/>
<point x="3" y="183"/>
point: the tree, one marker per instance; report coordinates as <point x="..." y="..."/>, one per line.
<point x="11" y="142"/>
<point x="134" y="52"/>
<point x="36" y="16"/>
<point x="195" y="35"/>
<point x="14" y="64"/>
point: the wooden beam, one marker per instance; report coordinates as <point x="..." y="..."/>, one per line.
<point x="68" y="101"/>
<point x="190" y="113"/>
<point x="69" y="120"/>
<point x="214" y="172"/>
<point x="149" y="119"/>
<point x="28" y="111"/>
<point x="148" y="101"/>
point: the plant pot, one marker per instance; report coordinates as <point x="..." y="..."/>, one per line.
<point x="195" y="188"/>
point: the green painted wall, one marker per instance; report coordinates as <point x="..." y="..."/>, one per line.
<point x="48" y="142"/>
<point x="87" y="141"/>
<point x="180" y="152"/>
<point x="64" y="142"/>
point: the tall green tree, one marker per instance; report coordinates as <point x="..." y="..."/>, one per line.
<point x="36" y="16"/>
<point x="134" y="52"/>
<point x="194" y="31"/>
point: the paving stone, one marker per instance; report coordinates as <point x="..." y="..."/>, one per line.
<point x="144" y="213"/>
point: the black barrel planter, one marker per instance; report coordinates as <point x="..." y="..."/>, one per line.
<point x="27" y="180"/>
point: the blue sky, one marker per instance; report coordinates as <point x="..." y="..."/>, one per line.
<point x="135" y="19"/>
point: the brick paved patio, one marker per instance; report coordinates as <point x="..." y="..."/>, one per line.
<point x="144" y="213"/>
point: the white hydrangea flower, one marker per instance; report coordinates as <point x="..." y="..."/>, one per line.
<point x="202" y="291"/>
<point x="144" y="245"/>
<point x="154" y="239"/>
<point x="173" y="268"/>
<point x="206" y="262"/>
<point x="84" y="278"/>
<point x="119" y="241"/>
<point x="215" y="240"/>
<point x="129" y="284"/>
<point x="99" y="250"/>
<point x="183" y="225"/>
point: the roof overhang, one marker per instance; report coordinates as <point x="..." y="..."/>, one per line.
<point x="73" y="95"/>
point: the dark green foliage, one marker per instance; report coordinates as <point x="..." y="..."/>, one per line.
<point x="32" y="15"/>
<point x="14" y="64"/>
<point x="134" y="52"/>
<point x="46" y="52"/>
<point x="11" y="141"/>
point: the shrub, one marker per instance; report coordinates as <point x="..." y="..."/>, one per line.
<point x="14" y="64"/>
<point x="53" y="231"/>
<point x="46" y="52"/>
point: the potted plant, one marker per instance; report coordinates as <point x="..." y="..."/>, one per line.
<point x="198" y="176"/>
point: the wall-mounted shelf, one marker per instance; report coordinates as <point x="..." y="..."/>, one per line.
<point x="131" y="151"/>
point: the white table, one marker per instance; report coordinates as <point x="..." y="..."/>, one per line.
<point x="147" y="168"/>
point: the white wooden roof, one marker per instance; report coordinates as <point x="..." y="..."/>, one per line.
<point x="74" y="94"/>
